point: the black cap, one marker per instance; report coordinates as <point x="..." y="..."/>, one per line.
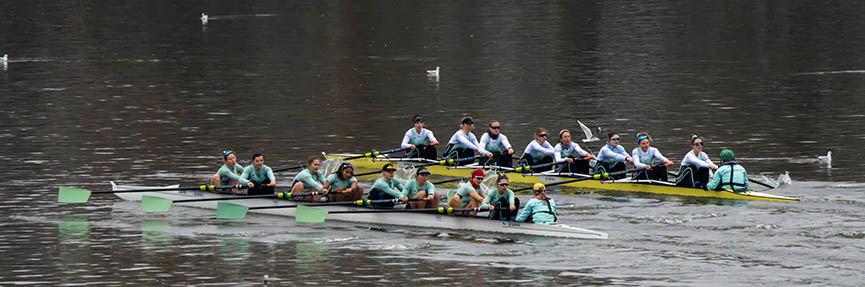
<point x="422" y="170"/>
<point x="416" y="118"/>
<point x="467" y="120"/>
<point x="388" y="167"/>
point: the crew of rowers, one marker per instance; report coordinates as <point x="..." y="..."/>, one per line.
<point x="493" y="149"/>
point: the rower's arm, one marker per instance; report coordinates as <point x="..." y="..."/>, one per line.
<point x="486" y="202"/>
<point x="525" y="212"/>
<point x="405" y="139"/>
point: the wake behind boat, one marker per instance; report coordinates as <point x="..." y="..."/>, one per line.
<point x="627" y="185"/>
<point x="419" y="220"/>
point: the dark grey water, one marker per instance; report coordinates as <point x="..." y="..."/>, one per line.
<point x="141" y="93"/>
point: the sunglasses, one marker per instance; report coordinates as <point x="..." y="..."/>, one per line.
<point x="543" y="135"/>
<point x="495" y="128"/>
<point x="614" y="139"/>
<point x="504" y="184"/>
<point x="698" y="143"/>
<point x="479" y="177"/>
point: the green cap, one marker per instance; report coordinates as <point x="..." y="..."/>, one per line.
<point x="727" y="155"/>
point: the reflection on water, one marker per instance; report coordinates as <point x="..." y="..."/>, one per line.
<point x="155" y="234"/>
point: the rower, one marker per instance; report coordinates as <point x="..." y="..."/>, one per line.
<point x="538" y="151"/>
<point x="421" y="189"/>
<point x="497" y="143"/>
<point x="260" y="175"/>
<point x="503" y="205"/>
<point x="645" y="156"/>
<point x="612" y="157"/>
<point x="385" y="187"/>
<point x="694" y="171"/>
<point x="342" y="185"/>
<point x="570" y="152"/>
<point x="730" y="175"/>
<point x="464" y="143"/>
<point x="539" y="209"/>
<point x="229" y="173"/>
<point x="309" y="180"/>
<point x="421" y="141"/>
<point x="469" y="195"/>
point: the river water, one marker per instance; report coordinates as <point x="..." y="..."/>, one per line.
<point x="140" y="92"/>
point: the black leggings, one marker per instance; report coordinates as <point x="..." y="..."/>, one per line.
<point x="422" y="151"/>
<point x="528" y="160"/>
<point x="452" y="152"/>
<point x="658" y="173"/>
<point x="378" y="194"/>
<point x="604" y="167"/>
<point x="580" y="166"/>
<point x="499" y="159"/>
<point x="503" y="209"/>
<point x="693" y="176"/>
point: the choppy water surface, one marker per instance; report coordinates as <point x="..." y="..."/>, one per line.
<point x="141" y="93"/>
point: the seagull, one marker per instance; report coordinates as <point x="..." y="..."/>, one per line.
<point x="784" y="178"/>
<point x="203" y="19"/>
<point x="588" y="132"/>
<point x="826" y="159"/>
<point x="433" y="73"/>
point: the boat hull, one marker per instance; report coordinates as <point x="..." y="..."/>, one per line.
<point x="410" y="219"/>
<point x="652" y="187"/>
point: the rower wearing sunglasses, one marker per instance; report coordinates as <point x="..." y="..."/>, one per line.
<point x="694" y="171"/>
<point x="612" y="157"/>
<point x="498" y="145"/>
<point x="503" y="205"/>
<point x="469" y="195"/>
<point x="538" y="151"/>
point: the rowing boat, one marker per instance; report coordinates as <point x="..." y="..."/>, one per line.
<point x="626" y="185"/>
<point x="419" y="220"/>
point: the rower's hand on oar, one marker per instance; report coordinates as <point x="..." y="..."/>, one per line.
<point x="669" y="163"/>
<point x="250" y="184"/>
<point x="569" y="159"/>
<point x="411" y="146"/>
<point x="647" y="167"/>
<point x="589" y="156"/>
<point x="630" y="160"/>
<point x="492" y="207"/>
<point x="513" y="207"/>
<point x="713" y="167"/>
<point x="511" y="151"/>
<point x="489" y="155"/>
<point x="404" y="199"/>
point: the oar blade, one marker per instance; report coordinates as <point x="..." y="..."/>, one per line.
<point x="310" y="214"/>
<point x="451" y="194"/>
<point x="151" y="203"/>
<point x="228" y="210"/>
<point x="68" y="194"/>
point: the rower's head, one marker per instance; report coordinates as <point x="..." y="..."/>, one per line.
<point x="417" y="121"/>
<point x="613" y="139"/>
<point x="502" y="182"/>
<point x="422" y="175"/>
<point x="643" y="140"/>
<point x="477" y="176"/>
<point x="565" y="136"/>
<point x="345" y="171"/>
<point x="229" y="158"/>
<point x="387" y="171"/>
<point x="727" y="155"/>
<point x="313" y="163"/>
<point x="467" y="124"/>
<point x="696" y="143"/>
<point x="539" y="188"/>
<point x="495" y="127"/>
<point x="541" y="135"/>
<point x="258" y="160"/>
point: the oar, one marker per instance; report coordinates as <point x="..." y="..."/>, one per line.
<point x="161" y="204"/>
<point x="596" y="176"/>
<point x="318" y="215"/>
<point x="525" y="169"/>
<point x="749" y="180"/>
<point x="447" y="162"/>
<point x="450" y="180"/>
<point x="227" y="210"/>
<point x="68" y="194"/>
<point x="372" y="154"/>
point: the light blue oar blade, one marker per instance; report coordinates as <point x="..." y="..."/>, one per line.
<point x="228" y="210"/>
<point x="151" y="203"/>
<point x="310" y="214"/>
<point x="70" y="194"/>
